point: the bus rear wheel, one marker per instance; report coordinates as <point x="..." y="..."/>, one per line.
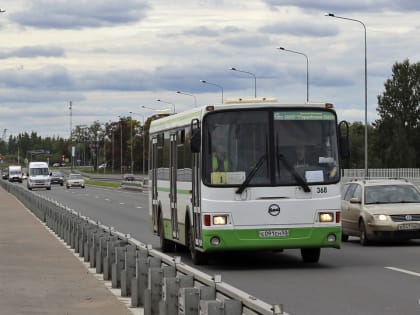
<point x="166" y="245"/>
<point x="310" y="255"/>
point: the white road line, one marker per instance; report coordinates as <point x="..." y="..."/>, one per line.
<point x="412" y="273"/>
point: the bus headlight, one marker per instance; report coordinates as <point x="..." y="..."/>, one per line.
<point x="326" y="217"/>
<point x="220" y="220"/>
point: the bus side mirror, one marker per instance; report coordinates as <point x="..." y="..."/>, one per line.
<point x="196" y="140"/>
<point x="343" y="138"/>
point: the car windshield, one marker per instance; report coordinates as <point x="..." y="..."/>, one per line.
<point x="58" y="174"/>
<point x="391" y="194"/>
<point x="75" y="176"/>
<point x="38" y="171"/>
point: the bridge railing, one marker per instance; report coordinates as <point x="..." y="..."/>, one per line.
<point x="156" y="282"/>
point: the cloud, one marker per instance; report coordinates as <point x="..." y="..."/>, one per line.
<point x="348" y="6"/>
<point x="34" y="51"/>
<point x="300" y="28"/>
<point x="79" y="14"/>
<point x="49" y="77"/>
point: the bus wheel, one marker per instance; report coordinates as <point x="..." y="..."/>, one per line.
<point x="344" y="237"/>
<point x="310" y="255"/>
<point x="166" y="245"/>
<point x="198" y="258"/>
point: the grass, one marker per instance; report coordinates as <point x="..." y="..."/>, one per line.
<point x="103" y="184"/>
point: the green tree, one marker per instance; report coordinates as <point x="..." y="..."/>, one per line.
<point x="399" y="117"/>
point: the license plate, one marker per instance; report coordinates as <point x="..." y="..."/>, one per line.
<point x="273" y="233"/>
<point x="409" y="226"/>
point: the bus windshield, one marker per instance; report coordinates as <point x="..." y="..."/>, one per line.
<point x="270" y="147"/>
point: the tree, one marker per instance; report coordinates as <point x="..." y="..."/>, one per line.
<point x="399" y="122"/>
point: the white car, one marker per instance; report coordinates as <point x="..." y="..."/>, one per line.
<point x="75" y="180"/>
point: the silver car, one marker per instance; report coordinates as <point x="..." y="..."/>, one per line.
<point x="75" y="180"/>
<point x="377" y="210"/>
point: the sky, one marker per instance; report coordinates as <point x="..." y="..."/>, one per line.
<point x="110" y="58"/>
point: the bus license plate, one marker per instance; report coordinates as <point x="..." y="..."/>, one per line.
<point x="273" y="233"/>
<point x="409" y="226"/>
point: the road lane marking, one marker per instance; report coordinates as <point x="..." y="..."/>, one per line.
<point x="412" y="273"/>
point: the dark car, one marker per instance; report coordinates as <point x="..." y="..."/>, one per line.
<point x="129" y="177"/>
<point x="5" y="173"/>
<point x="57" y="178"/>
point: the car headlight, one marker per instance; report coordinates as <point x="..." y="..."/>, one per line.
<point x="380" y="217"/>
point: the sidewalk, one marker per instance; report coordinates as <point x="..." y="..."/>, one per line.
<point x="38" y="275"/>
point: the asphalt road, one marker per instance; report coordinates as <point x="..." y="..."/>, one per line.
<point x="380" y="279"/>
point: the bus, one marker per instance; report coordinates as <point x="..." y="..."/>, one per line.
<point x="259" y="197"/>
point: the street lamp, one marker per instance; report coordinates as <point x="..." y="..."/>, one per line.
<point x="219" y="86"/>
<point x="366" y="130"/>
<point x="189" y="94"/>
<point x="162" y="101"/>
<point x="307" y="69"/>
<point x="121" y="146"/>
<point x="255" y="79"/>
<point x="131" y="140"/>
<point x="71" y="134"/>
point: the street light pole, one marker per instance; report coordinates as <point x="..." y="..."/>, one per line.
<point x="219" y="86"/>
<point x="366" y="126"/>
<point x="131" y="140"/>
<point x="71" y="133"/>
<point x="307" y="69"/>
<point x="189" y="94"/>
<point x="121" y="146"/>
<point x="255" y="79"/>
<point x="162" y="101"/>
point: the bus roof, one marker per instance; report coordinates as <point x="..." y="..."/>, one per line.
<point x="184" y="118"/>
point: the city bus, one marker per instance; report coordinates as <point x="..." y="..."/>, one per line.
<point x="263" y="195"/>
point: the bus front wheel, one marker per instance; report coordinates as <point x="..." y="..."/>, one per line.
<point x="198" y="258"/>
<point x="310" y="255"/>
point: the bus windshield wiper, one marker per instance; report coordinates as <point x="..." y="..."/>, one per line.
<point x="251" y="174"/>
<point x="295" y="174"/>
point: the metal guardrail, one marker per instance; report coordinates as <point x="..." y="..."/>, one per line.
<point x="159" y="283"/>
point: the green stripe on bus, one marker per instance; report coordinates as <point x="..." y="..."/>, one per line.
<point x="249" y="239"/>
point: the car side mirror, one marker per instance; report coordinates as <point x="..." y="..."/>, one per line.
<point x="355" y="200"/>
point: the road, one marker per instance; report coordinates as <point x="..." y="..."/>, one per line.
<point x="377" y="280"/>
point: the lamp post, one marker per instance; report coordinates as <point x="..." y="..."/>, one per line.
<point x="366" y="129"/>
<point x="219" y="86"/>
<point x="307" y="69"/>
<point x="71" y="134"/>
<point x="131" y="140"/>
<point x="189" y="94"/>
<point x="121" y="146"/>
<point x="255" y="78"/>
<point x="162" y="101"/>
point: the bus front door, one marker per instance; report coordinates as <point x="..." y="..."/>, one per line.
<point x="196" y="179"/>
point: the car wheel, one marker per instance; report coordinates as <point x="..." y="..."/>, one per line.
<point x="344" y="237"/>
<point x="362" y="233"/>
<point x="61" y="184"/>
<point x="310" y="255"/>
